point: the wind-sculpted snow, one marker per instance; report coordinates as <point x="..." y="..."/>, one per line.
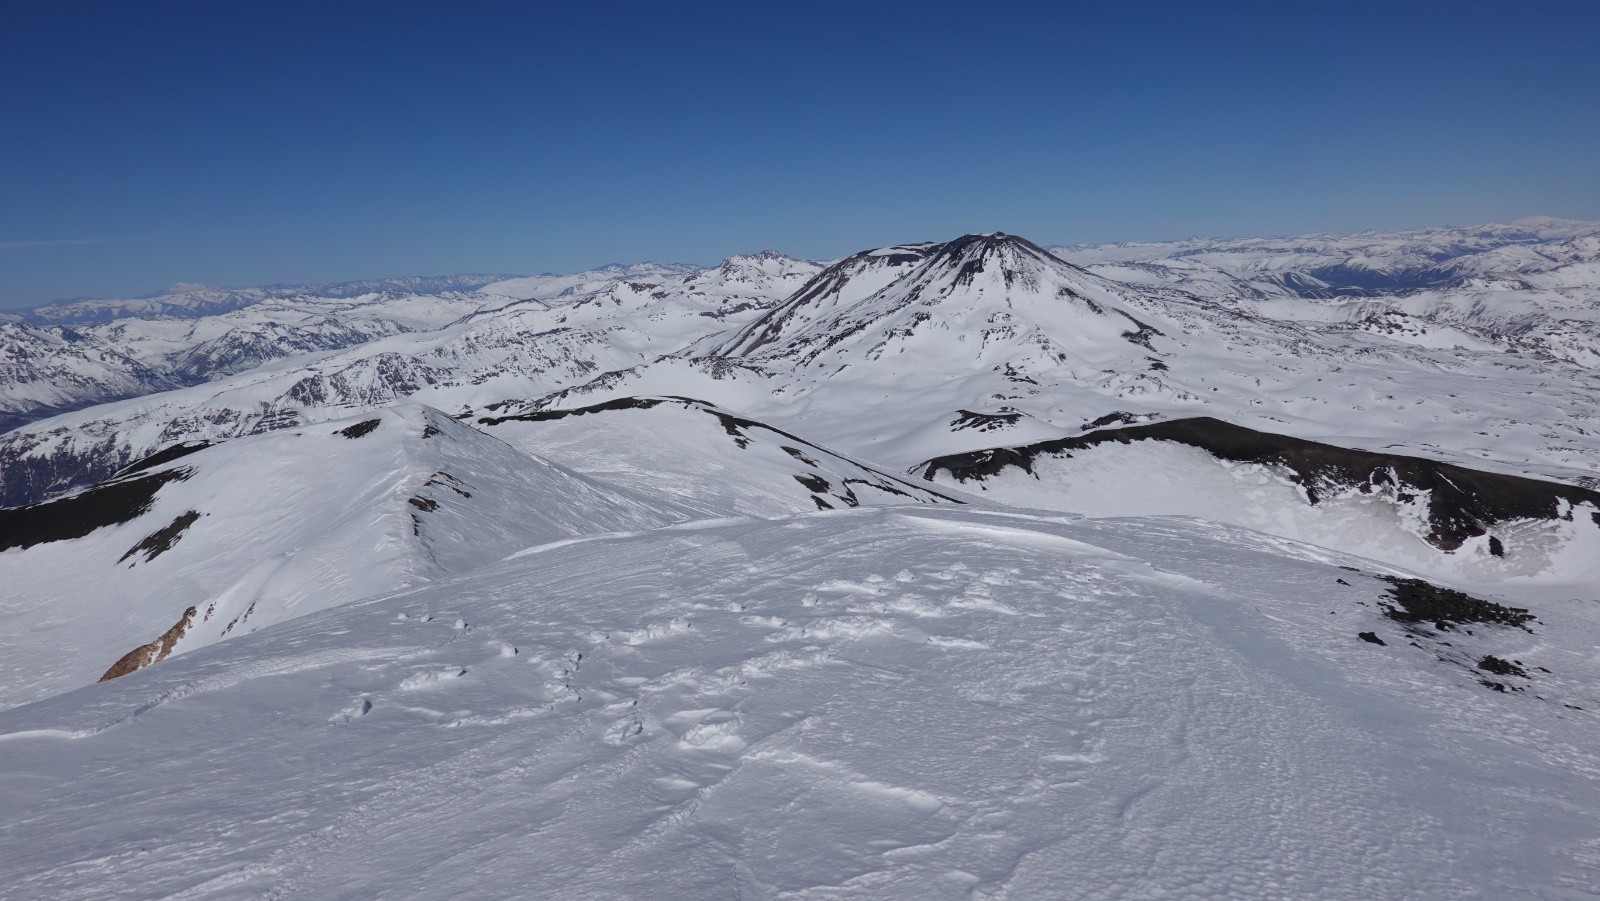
<point x="929" y="702"/>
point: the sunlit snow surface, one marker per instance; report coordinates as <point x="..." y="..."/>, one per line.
<point x="549" y="650"/>
<point x="916" y="702"/>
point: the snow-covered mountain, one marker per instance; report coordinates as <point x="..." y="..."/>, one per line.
<point x="705" y="458"/>
<point x="200" y="542"/>
<point x="1368" y="262"/>
<point x="1446" y="520"/>
<point x="993" y="325"/>
<point x="204" y="542"/>
<point x="186" y="301"/>
<point x="44" y="370"/>
<point x="965" y="568"/>
<point x="62" y="357"/>
<point x="516" y="338"/>
<point x="1528" y="285"/>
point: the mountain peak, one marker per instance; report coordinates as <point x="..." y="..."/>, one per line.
<point x="759" y="259"/>
<point x="992" y="244"/>
<point x="1008" y="255"/>
<point x="183" y="288"/>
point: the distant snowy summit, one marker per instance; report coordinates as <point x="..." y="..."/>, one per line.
<point x="185" y="300"/>
<point x="963" y="567"/>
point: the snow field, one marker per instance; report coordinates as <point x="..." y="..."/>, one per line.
<point x="931" y="702"/>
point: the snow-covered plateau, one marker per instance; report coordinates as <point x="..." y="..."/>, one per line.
<point x="1228" y="568"/>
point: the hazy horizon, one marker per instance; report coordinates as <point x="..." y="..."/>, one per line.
<point x="175" y="287"/>
<point x="304" y="143"/>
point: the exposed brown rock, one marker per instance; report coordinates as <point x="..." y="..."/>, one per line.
<point x="154" y="652"/>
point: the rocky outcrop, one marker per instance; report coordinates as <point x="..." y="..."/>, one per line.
<point x="154" y="652"/>
<point x="1461" y="503"/>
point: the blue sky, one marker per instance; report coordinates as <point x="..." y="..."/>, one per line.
<point x="246" y="143"/>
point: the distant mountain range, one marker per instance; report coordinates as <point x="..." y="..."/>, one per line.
<point x="949" y="568"/>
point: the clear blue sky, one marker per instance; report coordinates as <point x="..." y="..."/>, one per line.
<point x="235" y="142"/>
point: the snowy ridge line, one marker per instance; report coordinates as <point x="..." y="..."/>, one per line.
<point x="730" y="421"/>
<point x="197" y="545"/>
<point x="289" y="361"/>
<point x="1462" y="503"/>
<point x="616" y="331"/>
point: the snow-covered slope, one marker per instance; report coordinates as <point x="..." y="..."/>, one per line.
<point x="192" y="547"/>
<point x="1463" y="524"/>
<point x="48" y="369"/>
<point x="510" y="614"/>
<point x="449" y="352"/>
<point x="916" y="703"/>
<point x="992" y="325"/>
<point x="704" y="458"/>
<point x="1532" y="285"/>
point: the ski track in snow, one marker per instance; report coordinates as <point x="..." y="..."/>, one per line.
<point x="923" y="704"/>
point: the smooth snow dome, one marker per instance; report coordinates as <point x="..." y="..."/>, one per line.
<point x="923" y="703"/>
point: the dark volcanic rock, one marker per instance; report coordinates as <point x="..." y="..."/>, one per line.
<point x="813" y="483"/>
<point x="1462" y="503"/>
<point x="162" y="539"/>
<point x="79" y="514"/>
<point x="165" y="455"/>
<point x="984" y="422"/>
<point x="364" y="427"/>
<point x="1493" y="664"/>
<point x="1417" y="601"/>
